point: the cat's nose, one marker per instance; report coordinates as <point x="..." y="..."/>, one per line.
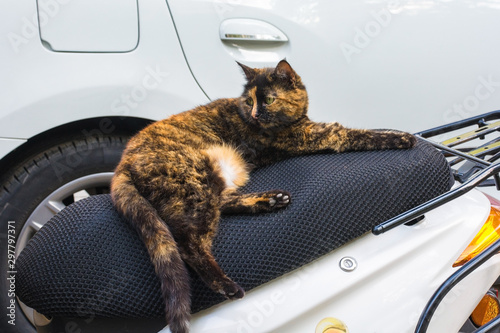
<point x="256" y="115"/>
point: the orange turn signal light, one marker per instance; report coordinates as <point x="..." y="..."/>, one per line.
<point x="489" y="233"/>
<point x="487" y="309"/>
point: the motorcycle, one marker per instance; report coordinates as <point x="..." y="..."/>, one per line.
<point x="373" y="242"/>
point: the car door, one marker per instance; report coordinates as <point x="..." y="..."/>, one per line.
<point x="401" y="64"/>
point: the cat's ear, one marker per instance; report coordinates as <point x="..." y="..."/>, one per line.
<point x="284" y="71"/>
<point x="249" y="72"/>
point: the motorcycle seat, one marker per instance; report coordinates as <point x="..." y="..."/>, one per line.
<point x="88" y="260"/>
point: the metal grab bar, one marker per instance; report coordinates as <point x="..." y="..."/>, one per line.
<point x="436" y="202"/>
<point x="452" y="281"/>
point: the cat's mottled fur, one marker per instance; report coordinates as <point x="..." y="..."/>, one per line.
<point x="178" y="175"/>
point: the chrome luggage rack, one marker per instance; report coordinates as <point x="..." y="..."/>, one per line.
<point x="474" y="158"/>
<point x="477" y="158"/>
<point x="472" y="165"/>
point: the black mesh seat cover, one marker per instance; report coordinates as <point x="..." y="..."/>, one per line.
<point x="88" y="260"/>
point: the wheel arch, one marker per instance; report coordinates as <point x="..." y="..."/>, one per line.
<point x="91" y="127"/>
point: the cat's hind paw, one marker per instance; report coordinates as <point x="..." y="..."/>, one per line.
<point x="231" y="290"/>
<point x="279" y="199"/>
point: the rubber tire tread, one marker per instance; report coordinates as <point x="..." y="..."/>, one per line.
<point x="25" y="185"/>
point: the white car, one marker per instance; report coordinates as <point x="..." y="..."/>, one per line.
<point x="77" y="78"/>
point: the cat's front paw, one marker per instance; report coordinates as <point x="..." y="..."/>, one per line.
<point x="398" y="140"/>
<point x="407" y="141"/>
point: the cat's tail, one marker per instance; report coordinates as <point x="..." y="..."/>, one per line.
<point x="162" y="249"/>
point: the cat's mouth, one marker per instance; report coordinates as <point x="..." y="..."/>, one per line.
<point x="261" y="122"/>
<point x="261" y="119"/>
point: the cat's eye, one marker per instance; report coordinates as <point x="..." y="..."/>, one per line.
<point x="249" y="101"/>
<point x="269" y="100"/>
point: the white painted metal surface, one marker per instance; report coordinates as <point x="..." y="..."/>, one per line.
<point x="396" y="275"/>
<point x="89" y="25"/>
<point x="405" y="64"/>
<point x="40" y="89"/>
<point x="401" y="64"/>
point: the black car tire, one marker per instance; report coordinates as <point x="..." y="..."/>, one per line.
<point x="86" y="162"/>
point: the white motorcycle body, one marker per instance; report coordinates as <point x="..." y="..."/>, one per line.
<point x="392" y="277"/>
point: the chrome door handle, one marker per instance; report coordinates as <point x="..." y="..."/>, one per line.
<point x="250" y="30"/>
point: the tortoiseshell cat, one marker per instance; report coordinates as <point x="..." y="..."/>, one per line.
<point x="178" y="175"/>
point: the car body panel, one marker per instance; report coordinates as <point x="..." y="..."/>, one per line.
<point x="89" y="25"/>
<point x="8" y="145"/>
<point x="407" y="65"/>
<point x="403" y="64"/>
<point x="46" y="89"/>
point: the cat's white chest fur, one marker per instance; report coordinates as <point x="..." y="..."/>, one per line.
<point x="229" y="164"/>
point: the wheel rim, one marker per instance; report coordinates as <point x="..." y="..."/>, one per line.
<point x="55" y="202"/>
